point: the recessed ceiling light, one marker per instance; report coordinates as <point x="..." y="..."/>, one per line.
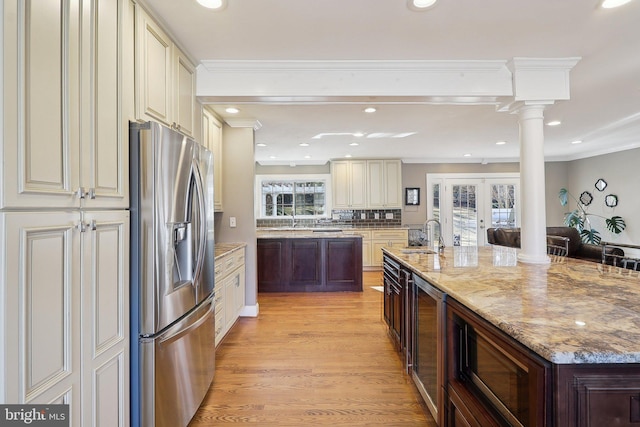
<point x="353" y="144"/>
<point x="261" y="144"/>
<point x="554" y="123"/>
<point x="304" y="144"/>
<point x="212" y="4"/>
<point x="467" y="155"/>
<point x="610" y="4"/>
<point x="307" y="157"/>
<point x="420" y="4"/>
<point x="370" y="110"/>
<point x="358" y="134"/>
<point x="576" y="142"/>
<point x="501" y="142"/>
<point x="272" y="157"/>
<point x="232" y="110"/>
<point x="347" y="155"/>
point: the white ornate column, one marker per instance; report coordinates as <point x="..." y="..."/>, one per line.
<point x="532" y="185"/>
<point x="537" y="83"/>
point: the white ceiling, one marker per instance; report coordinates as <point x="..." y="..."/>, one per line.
<point x="603" y="112"/>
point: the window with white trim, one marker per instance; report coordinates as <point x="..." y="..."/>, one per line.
<point x="304" y="196"/>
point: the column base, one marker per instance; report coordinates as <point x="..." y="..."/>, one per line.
<point x="534" y="259"/>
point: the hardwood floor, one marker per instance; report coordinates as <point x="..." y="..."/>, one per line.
<point x="313" y="359"/>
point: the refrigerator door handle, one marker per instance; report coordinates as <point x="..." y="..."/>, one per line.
<point x="183" y="328"/>
<point x="200" y="256"/>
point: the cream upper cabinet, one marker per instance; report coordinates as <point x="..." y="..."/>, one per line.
<point x="212" y="139"/>
<point x="165" y="78"/>
<point x="366" y="184"/>
<point x="65" y="112"/>
<point x="384" y="184"/>
<point x="349" y="184"/>
<point x="66" y="295"/>
<point x="184" y="83"/>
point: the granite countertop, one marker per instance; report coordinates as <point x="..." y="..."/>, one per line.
<point x="569" y="311"/>
<point x="304" y="233"/>
<point x="222" y="249"/>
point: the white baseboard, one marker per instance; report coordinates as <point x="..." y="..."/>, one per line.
<point x="250" y="310"/>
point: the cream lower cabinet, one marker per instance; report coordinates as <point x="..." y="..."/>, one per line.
<point x="366" y="244"/>
<point x="229" y="290"/>
<point x="386" y="237"/>
<point x="373" y="239"/>
<point x="65" y="313"/>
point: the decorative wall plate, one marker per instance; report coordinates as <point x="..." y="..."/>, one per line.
<point x="586" y="198"/>
<point x="611" y="200"/>
<point x="601" y="184"/>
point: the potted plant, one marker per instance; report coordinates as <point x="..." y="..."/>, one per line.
<point x="579" y="218"/>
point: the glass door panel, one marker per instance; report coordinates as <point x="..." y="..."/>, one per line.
<point x="464" y="205"/>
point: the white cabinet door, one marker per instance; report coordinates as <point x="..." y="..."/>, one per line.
<point x="184" y="97"/>
<point x="105" y="155"/>
<point x="392" y="187"/>
<point x="40" y="141"/>
<point x="65" y="131"/>
<point x="105" y="319"/>
<point x="376" y="184"/>
<point x="349" y="184"/>
<point x="384" y="178"/>
<point x="229" y="302"/>
<point x="40" y="300"/>
<point x="153" y="72"/>
<point x="240" y="290"/>
<point x="212" y="134"/>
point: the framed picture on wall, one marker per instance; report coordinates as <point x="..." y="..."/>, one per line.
<point x="411" y="196"/>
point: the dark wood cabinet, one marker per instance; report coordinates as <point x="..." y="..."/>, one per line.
<point x="393" y="300"/>
<point x="310" y="264"/>
<point x="495" y="376"/>
<point x="597" y="395"/>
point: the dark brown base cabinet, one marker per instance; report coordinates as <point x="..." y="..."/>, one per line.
<point x="310" y="265"/>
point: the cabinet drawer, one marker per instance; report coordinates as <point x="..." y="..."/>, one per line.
<point x="219" y="325"/>
<point x="238" y="258"/>
<point x="366" y="234"/>
<point x="389" y="234"/>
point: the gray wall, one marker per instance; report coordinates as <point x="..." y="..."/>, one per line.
<point x="619" y="170"/>
<point x="415" y="175"/>
<point x="237" y="192"/>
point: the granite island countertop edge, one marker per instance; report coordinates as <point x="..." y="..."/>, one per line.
<point x="568" y="312"/>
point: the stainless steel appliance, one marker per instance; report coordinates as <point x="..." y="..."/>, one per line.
<point x="428" y="351"/>
<point x="172" y="275"/>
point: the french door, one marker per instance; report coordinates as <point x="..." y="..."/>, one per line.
<point x="466" y="205"/>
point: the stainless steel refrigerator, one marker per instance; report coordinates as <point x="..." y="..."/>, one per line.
<point x="172" y="275"/>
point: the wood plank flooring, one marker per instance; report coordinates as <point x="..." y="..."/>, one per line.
<point x="313" y="359"/>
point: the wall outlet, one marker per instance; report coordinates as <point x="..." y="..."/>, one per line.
<point x="363" y="215"/>
<point x="388" y="215"/>
<point x="376" y="215"/>
<point x="232" y="221"/>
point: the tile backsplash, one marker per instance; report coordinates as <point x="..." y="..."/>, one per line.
<point x="364" y="218"/>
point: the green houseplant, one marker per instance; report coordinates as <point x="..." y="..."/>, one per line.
<point x="579" y="218"/>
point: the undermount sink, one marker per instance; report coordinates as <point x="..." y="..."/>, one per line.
<point x="417" y="250"/>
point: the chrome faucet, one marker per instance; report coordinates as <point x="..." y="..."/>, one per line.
<point x="425" y="230"/>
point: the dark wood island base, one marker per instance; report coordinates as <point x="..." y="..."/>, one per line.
<point x="310" y="264"/>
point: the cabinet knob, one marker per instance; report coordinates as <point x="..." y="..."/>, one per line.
<point x="81" y="193"/>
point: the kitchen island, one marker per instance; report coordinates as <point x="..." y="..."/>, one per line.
<point x="312" y="260"/>
<point x="571" y="327"/>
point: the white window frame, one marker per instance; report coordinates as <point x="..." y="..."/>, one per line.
<point x="444" y="179"/>
<point x="294" y="177"/>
